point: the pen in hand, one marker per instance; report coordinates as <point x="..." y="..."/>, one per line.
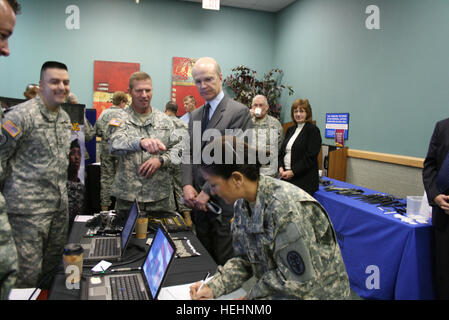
<point x="203" y="282"/>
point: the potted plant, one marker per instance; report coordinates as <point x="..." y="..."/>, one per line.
<point x="245" y="86"/>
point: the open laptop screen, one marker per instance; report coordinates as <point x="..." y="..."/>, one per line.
<point x="157" y="262"/>
<point x="129" y="225"/>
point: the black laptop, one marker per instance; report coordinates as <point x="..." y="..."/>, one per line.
<point x="143" y="283"/>
<point x="110" y="248"/>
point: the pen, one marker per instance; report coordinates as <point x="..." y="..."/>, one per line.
<point x="203" y="282"/>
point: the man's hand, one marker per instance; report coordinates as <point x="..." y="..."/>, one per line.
<point x="201" y="201"/>
<point x="287" y="175"/>
<point x="151" y="145"/>
<point x="190" y="195"/>
<point x="442" y="201"/>
<point x="149" y="167"/>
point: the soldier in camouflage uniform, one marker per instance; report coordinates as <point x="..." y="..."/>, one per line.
<point x="268" y="131"/>
<point x="143" y="137"/>
<point x="8" y="253"/>
<point x="108" y="162"/>
<point x="281" y="236"/>
<point x="182" y="129"/>
<point x="36" y="152"/>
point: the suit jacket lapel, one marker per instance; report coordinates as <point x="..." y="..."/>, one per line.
<point x="302" y="133"/>
<point x="218" y="114"/>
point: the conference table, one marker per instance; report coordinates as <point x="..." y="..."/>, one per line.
<point x="385" y="257"/>
<point x="182" y="270"/>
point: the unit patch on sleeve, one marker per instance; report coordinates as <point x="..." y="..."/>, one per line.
<point x="296" y="263"/>
<point x="115" y="122"/>
<point x="11" y="128"/>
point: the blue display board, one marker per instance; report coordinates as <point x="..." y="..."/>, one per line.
<point x="336" y="121"/>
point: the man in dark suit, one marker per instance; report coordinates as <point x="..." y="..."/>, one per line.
<point x="435" y="165"/>
<point x="217" y="115"/>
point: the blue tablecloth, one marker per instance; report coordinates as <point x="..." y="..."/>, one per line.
<point x="377" y="245"/>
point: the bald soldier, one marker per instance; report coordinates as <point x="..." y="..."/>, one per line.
<point x="269" y="134"/>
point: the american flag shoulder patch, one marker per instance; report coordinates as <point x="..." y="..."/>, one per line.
<point x="11" y="128"/>
<point x="115" y="122"/>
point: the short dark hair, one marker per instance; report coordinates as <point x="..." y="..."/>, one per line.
<point x="171" y="106"/>
<point x="236" y="155"/>
<point x="53" y="65"/>
<point x="15" y="6"/>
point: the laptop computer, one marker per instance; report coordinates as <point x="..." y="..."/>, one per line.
<point x="143" y="283"/>
<point x="110" y="248"/>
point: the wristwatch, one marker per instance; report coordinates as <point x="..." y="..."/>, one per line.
<point x="161" y="160"/>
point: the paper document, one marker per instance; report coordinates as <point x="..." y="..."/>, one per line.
<point x="23" y="294"/>
<point x="83" y="218"/>
<point x="182" y="292"/>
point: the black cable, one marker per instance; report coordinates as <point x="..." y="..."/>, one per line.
<point x="45" y="278"/>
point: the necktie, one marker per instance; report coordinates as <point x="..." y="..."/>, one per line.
<point x="442" y="181"/>
<point x="205" y="120"/>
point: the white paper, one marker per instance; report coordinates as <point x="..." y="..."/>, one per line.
<point x="101" y="266"/>
<point x="83" y="218"/>
<point x="23" y="294"/>
<point x="182" y="292"/>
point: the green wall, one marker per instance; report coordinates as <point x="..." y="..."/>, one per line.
<point x="392" y="81"/>
<point x="150" y="33"/>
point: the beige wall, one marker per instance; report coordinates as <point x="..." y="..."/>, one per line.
<point x="398" y="180"/>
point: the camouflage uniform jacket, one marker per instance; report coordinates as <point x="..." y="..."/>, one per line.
<point x="36" y="151"/>
<point x="270" y="129"/>
<point x="125" y="133"/>
<point x="101" y="126"/>
<point x="288" y="244"/>
<point x="8" y="253"/>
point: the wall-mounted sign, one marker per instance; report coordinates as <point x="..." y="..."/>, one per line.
<point x="336" y="121"/>
<point x="211" y="4"/>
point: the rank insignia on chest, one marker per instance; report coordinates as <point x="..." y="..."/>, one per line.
<point x="11" y="128"/>
<point x="115" y="122"/>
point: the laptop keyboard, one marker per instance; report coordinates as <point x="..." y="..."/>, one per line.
<point x="106" y="247"/>
<point x="126" y="288"/>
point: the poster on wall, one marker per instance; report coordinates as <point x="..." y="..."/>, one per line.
<point x="110" y="77"/>
<point x="77" y="145"/>
<point x="183" y="84"/>
<point x="336" y="121"/>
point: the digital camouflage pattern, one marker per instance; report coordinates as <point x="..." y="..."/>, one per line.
<point x="126" y="131"/>
<point x="181" y="129"/>
<point x="8" y="253"/>
<point x="108" y="162"/>
<point x="288" y="244"/>
<point x="266" y="131"/>
<point x="36" y="156"/>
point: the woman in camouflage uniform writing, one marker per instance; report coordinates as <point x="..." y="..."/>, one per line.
<point x="281" y="235"/>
